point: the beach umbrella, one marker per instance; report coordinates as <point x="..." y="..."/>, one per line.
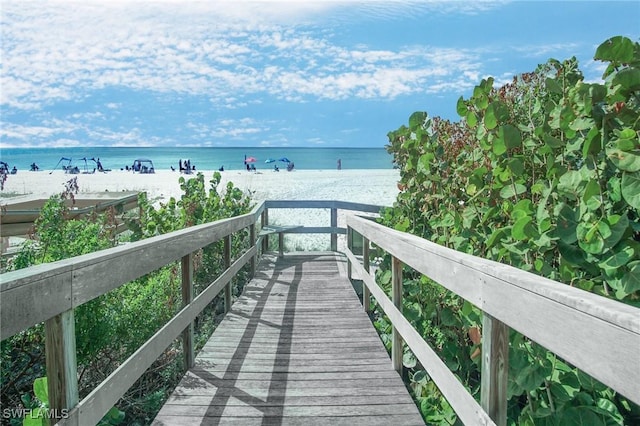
<point x="60" y="161"/>
<point x="269" y="160"/>
<point x="285" y="160"/>
<point x="250" y="160"/>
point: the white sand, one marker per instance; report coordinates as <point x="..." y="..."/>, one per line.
<point x="360" y="186"/>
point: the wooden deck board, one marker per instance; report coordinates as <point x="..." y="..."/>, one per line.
<point x="296" y="349"/>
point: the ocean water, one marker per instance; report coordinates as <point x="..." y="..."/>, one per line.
<point x="202" y="158"/>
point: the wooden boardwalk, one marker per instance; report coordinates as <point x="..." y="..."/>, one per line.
<point x="296" y="349"/>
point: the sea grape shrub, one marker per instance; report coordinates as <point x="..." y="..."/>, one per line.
<point x="111" y="327"/>
<point x="197" y="205"/>
<point x="543" y="174"/>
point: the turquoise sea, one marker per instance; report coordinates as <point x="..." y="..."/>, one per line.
<point x="202" y="158"/>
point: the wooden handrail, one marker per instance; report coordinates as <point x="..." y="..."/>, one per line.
<point x="50" y="292"/>
<point x="553" y="314"/>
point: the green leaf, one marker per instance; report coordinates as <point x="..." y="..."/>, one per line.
<point x="511" y="190"/>
<point x="589" y="237"/>
<point x="408" y="360"/>
<point x="472" y="119"/>
<point x="461" y="107"/>
<point x="631" y="189"/>
<point x="522" y="208"/>
<point x="570" y="182"/>
<point x="553" y="142"/>
<point x="447" y="317"/>
<point x="417" y="119"/>
<point x="523" y="229"/>
<point x="631" y="280"/>
<point x="499" y="146"/>
<point x="496" y="236"/>
<point x="386" y="277"/>
<point x="424" y="163"/>
<point x="572" y="254"/>
<point x="591" y="195"/>
<point x="516" y="166"/>
<point x="579" y="416"/>
<point x="553" y="86"/>
<point x="628" y="78"/>
<point x="615" y="49"/>
<point x="624" y="160"/>
<point x="490" y="120"/>
<point x="619" y="258"/>
<point x="581" y="123"/>
<point x="35" y="417"/>
<point x="530" y="377"/>
<point x="618" y="225"/>
<point x="41" y="390"/>
<point x="511" y="136"/>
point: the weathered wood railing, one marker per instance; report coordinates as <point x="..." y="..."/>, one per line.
<point x="597" y="335"/>
<point x="49" y="293"/>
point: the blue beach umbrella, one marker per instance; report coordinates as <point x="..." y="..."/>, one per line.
<point x="285" y="159"/>
<point x="269" y="160"/>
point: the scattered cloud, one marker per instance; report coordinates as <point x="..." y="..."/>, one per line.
<point x="137" y="73"/>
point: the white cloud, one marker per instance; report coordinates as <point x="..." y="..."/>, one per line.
<point x="61" y="51"/>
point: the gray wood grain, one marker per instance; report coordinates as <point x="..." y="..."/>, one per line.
<point x="551" y="313"/>
<point x="296" y="345"/>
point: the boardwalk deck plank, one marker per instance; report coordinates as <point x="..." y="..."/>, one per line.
<point x="296" y="349"/>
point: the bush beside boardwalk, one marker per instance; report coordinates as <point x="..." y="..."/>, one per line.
<point x="111" y="327"/>
<point x="543" y="174"/>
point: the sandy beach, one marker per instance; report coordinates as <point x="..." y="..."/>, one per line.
<point x="362" y="186"/>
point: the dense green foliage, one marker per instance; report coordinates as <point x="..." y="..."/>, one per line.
<point x="543" y="174"/>
<point x="111" y="327"/>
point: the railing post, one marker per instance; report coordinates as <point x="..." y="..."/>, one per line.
<point x="252" y="242"/>
<point x="265" y="222"/>
<point x="227" y="264"/>
<point x="366" y="294"/>
<point x="334" y="224"/>
<point x="350" y="246"/>
<point x="186" y="266"/>
<point x="397" y="344"/>
<point x="280" y="244"/>
<point x="495" y="368"/>
<point x="62" y="369"/>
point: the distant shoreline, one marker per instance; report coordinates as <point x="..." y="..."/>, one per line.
<point x="376" y="186"/>
<point x="369" y="186"/>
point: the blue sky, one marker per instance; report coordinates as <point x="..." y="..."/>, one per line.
<point x="265" y="73"/>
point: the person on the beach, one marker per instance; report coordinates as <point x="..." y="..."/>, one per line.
<point x="14" y="170"/>
<point x="99" y="164"/>
<point x="339" y="164"/>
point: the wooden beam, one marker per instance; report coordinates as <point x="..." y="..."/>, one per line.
<point x="186" y="266"/>
<point x="334" y="224"/>
<point x="495" y="368"/>
<point x="531" y="304"/>
<point x="462" y="402"/>
<point x="95" y="405"/>
<point x="252" y="242"/>
<point x="227" y="264"/>
<point x="265" y="222"/>
<point x="397" y="345"/>
<point x="366" y="294"/>
<point x="350" y="246"/>
<point x="62" y="369"/>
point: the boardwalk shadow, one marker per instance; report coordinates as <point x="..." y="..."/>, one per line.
<point x="227" y="386"/>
